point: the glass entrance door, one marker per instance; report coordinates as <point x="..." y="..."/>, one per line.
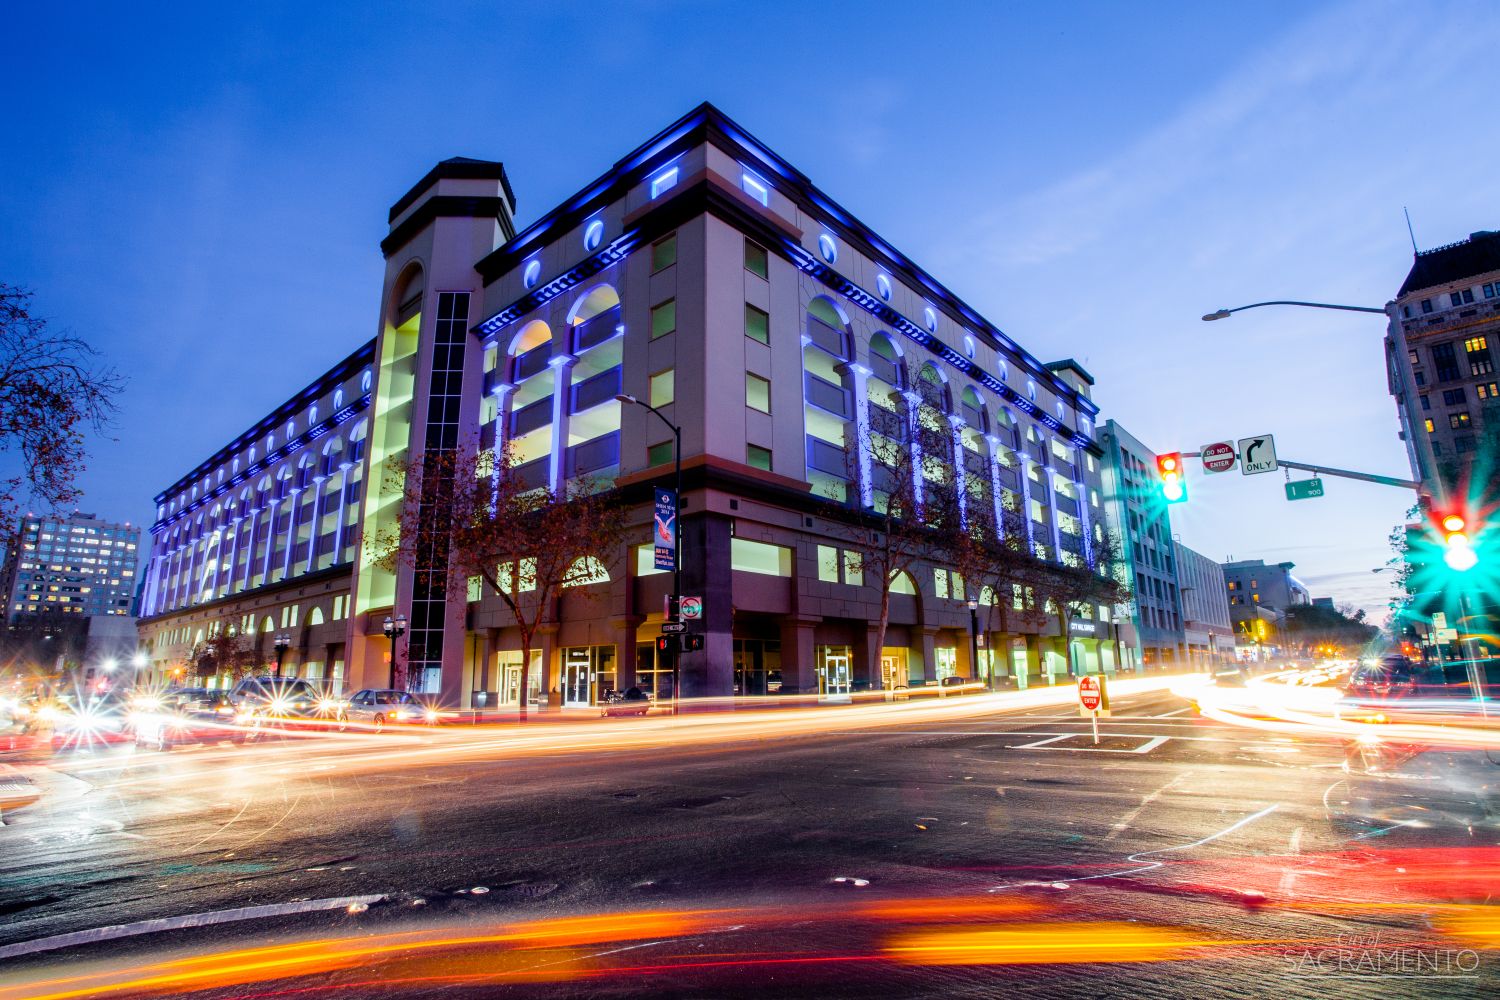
<point x="836" y="677"/>
<point x="577" y="678"/>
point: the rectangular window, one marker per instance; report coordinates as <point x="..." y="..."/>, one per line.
<point x="828" y="564"/>
<point x="757" y="262"/>
<point x="757" y="393"/>
<point x="1411" y="355"/>
<point x="663" y="318"/>
<point x="1453" y="397"/>
<point x="854" y="569"/>
<point x="1480" y="362"/>
<point x="940" y="582"/>
<point x="664" y="181"/>
<point x="757" y="324"/>
<point x="1427" y="403"/>
<point x="663" y="387"/>
<point x="1489" y="291"/>
<point x="756" y="189"/>
<point x="1428" y="423"/>
<point x="1421" y="378"/>
<point x="757" y="457"/>
<point x="1463" y="443"/>
<point x="663" y="253"/>
<point x="1427" y="305"/>
<point x="1456" y="299"/>
<point x="659" y="454"/>
<point x="749" y="556"/>
<point x="1458" y="421"/>
<point x="1489" y="390"/>
<point x="1445" y="361"/>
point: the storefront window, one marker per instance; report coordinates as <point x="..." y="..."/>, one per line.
<point x="588" y="673"/>
<point x="757" y="666"/>
<point x="947" y="661"/>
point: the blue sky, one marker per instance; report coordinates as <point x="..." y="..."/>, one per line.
<point x="201" y="195"/>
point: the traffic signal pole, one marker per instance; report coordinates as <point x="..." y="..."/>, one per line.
<point x="1327" y="470"/>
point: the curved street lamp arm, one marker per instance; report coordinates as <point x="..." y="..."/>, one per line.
<point x="1224" y="313"/>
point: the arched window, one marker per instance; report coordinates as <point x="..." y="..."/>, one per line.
<point x="333" y="454"/>
<point x="586" y="571"/>
<point x="338" y="399"/>
<point x="305" y="471"/>
<point x="315" y="617"/>
<point x="933" y="389"/>
<point x="530" y="350"/>
<point x="357" y="442"/>
<point x="973" y="410"/>
<point x="828" y="327"/>
<point x="595" y="317"/>
<point x="885" y="361"/>
<point x="902" y="583"/>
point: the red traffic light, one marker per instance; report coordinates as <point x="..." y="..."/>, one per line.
<point x="1173" y="485"/>
<point x="1456" y="530"/>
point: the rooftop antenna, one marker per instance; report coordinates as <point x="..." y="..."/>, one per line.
<point x="1409" y="230"/>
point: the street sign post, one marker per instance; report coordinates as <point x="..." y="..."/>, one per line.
<point x="1304" y="489"/>
<point x="1218" y="457"/>
<point x="1257" y="454"/>
<point x="1093" y="700"/>
<point x="691" y="607"/>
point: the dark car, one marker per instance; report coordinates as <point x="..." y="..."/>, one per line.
<point x="631" y="701"/>
<point x="186" y="716"/>
<point x="261" y="698"/>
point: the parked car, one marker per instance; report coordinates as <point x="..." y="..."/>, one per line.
<point x="380" y="706"/>
<point x="258" y="700"/>
<point x="955" y="685"/>
<point x="184" y="716"/>
<point x="631" y="701"/>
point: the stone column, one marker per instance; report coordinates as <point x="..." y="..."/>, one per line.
<point x="866" y="665"/>
<point x="914" y="441"/>
<point x="338" y="528"/>
<point x="960" y="470"/>
<point x="861" y="376"/>
<point x="927" y="643"/>
<point x="312" y="523"/>
<point x="798" y="656"/>
<point x="625" y="631"/>
<point x="562" y="368"/>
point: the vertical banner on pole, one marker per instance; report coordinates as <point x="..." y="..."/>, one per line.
<point x="665" y="532"/>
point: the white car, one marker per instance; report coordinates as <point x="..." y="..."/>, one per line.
<point x="379" y="706"/>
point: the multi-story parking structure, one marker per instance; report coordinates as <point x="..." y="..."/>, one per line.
<point x="704" y="274"/>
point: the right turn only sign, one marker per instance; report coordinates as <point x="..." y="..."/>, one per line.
<point x="1257" y="454"/>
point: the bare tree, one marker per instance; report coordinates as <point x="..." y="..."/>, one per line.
<point x="51" y="390"/>
<point x="223" y="650"/>
<point x="1073" y="588"/>
<point x="907" y="524"/>
<point x="998" y="560"/>
<point x="525" y="543"/>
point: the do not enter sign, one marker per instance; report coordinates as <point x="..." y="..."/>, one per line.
<point x="1090" y="693"/>
<point x="1218" y="457"/>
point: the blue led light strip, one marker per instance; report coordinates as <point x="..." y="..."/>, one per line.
<point x="880" y="310"/>
<point x="587" y="268"/>
<point x="306" y="437"/>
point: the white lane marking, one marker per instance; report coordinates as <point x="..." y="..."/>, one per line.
<point x="115" y="931"/>
<point x="1129" y="817"/>
<point x="1168" y="715"/>
<point x="1146" y="747"/>
<point x="1146" y="866"/>
<point x="1032" y="746"/>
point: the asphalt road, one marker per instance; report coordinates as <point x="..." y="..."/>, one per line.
<point x="843" y="862"/>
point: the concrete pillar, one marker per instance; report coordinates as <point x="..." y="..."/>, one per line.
<point x="866" y="666"/>
<point x="562" y="368"/>
<point x="550" y="667"/>
<point x="338" y="528"/>
<point x="312" y="524"/>
<point x="960" y="471"/>
<point x="927" y="643"/>
<point x="861" y="375"/>
<point x="624" y="632"/>
<point x="1034" y="658"/>
<point x="798" y="656"/>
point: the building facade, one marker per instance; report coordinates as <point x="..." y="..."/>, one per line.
<point x="1441" y="359"/>
<point x="1259" y="594"/>
<point x="703" y="274"/>
<point x="77" y="564"/>
<point x="1140" y="515"/>
<point x="1207" y="629"/>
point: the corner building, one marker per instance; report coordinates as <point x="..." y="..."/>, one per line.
<point x="705" y="275"/>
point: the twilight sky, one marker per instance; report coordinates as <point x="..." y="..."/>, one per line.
<point x="201" y="194"/>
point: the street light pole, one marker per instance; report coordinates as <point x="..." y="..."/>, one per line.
<point x="395" y="628"/>
<point x="1225" y="313"/>
<point x="989" y="677"/>
<point x="676" y="605"/>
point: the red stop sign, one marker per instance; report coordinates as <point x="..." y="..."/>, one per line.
<point x="1090" y="693"/>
